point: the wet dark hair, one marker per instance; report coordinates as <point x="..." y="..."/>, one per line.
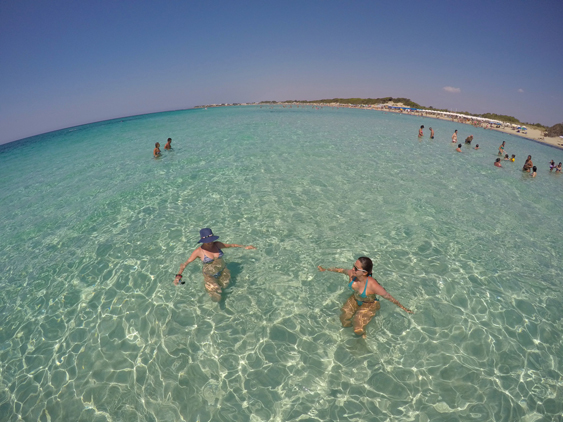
<point x="156" y="145"/>
<point x="498" y="159"/>
<point x="459" y="145"/>
<point x="534" y="168"/>
<point x="169" y="139"/>
<point x="367" y="265"/>
<point x="422" y="127"/>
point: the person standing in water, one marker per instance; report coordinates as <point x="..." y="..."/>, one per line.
<point x="363" y="303"/>
<point x="501" y="148"/>
<point x="431" y="133"/>
<point x="156" y="151"/>
<point x="216" y="275"/>
<point x="420" y="134"/>
<point x="454" y="137"/>
<point x="528" y="164"/>
<point x="168" y="144"/>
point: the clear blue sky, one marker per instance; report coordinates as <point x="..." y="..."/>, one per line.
<point x="64" y="63"/>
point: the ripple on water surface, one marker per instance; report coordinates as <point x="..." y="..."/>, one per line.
<point x="93" y="328"/>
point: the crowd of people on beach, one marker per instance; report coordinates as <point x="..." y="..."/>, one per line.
<point x="528" y="165"/>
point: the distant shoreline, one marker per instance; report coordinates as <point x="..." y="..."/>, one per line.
<point x="532" y="134"/>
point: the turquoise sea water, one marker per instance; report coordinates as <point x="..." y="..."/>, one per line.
<point x="94" y="230"/>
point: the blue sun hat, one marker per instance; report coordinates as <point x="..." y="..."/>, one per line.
<point x="207" y="236"/>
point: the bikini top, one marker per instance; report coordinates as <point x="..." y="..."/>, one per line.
<point x="362" y="295"/>
<point x="207" y="260"/>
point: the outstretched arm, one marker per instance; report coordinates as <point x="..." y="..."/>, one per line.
<point x="334" y="270"/>
<point x="192" y="258"/>
<point x="379" y="290"/>
<point x="396" y="302"/>
<point x="234" y="245"/>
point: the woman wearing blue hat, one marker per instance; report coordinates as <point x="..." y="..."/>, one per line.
<point x="216" y="275"/>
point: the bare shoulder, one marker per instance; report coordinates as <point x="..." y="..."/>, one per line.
<point x="373" y="280"/>
<point x="197" y="251"/>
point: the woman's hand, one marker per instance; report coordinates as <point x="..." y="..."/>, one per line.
<point x="249" y="247"/>
<point x="321" y="269"/>
<point x="177" y="279"/>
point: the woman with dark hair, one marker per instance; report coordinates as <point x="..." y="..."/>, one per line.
<point x="501" y="148"/>
<point x="528" y="164"/>
<point x="216" y="275"/>
<point x="362" y="305"/>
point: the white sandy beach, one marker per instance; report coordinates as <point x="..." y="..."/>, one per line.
<point x="532" y="133"/>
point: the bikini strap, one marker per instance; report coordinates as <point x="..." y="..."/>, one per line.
<point x="365" y="287"/>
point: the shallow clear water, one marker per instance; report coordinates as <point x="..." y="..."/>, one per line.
<point x="94" y="229"/>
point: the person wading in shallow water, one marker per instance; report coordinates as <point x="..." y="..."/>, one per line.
<point x="362" y="305"/>
<point x="528" y="164"/>
<point x="216" y="275"/>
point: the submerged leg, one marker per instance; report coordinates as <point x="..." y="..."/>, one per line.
<point x="213" y="288"/>
<point x="364" y="315"/>
<point x="348" y="310"/>
<point x="224" y="279"/>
